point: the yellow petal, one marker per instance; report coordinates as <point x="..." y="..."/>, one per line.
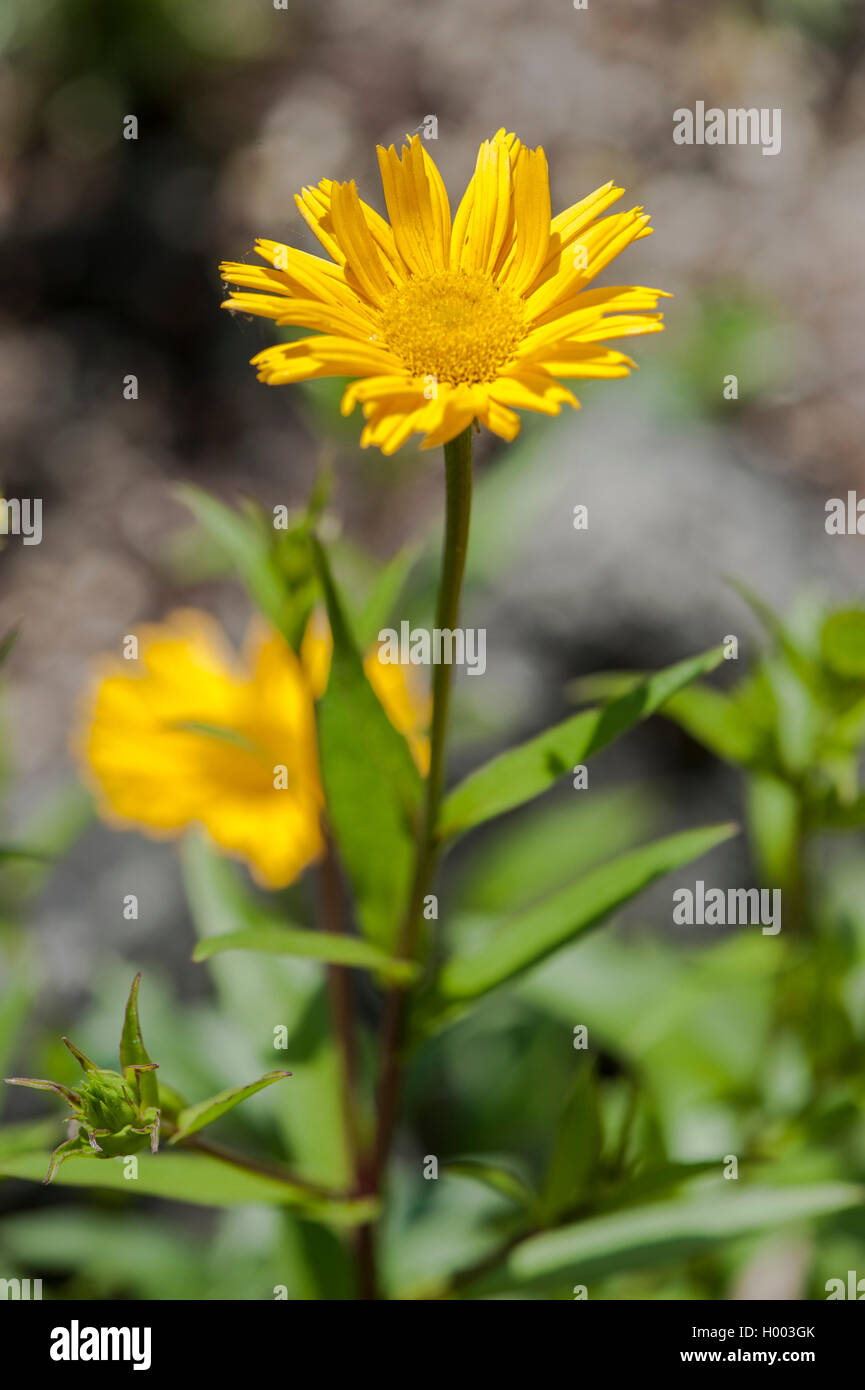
<point x="484" y="214"/>
<point x="532" y="391"/>
<point x="417" y="204"/>
<point x="531" y="220"/>
<point x="598" y="245"/>
<point x="364" y="264"/>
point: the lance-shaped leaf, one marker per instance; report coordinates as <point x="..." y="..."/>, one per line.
<point x="22" y="852"/>
<point x="195" y="1117"/>
<point x="371" y="784"/>
<point x="576" y="1151"/>
<point x="525" y="772"/>
<point x="637" y="1237"/>
<point x="7" y="642"/>
<point x="799" y="660"/>
<point x="133" y="1053"/>
<point x="312" y="945"/>
<point x="532" y="935"/>
<point x="493" y="1175"/>
<point x="714" y="720"/>
<point x="711" y="717"/>
<point x="774" y="829"/>
<point x="202" y="1179"/>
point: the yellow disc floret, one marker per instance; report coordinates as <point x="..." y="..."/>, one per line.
<point x="458" y="328"/>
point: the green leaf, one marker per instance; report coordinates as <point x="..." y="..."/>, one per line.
<point x="576" y="1151"/>
<point x="17" y="996"/>
<point x="540" y="848"/>
<point x="372" y="786"/>
<point x="714" y="720"/>
<point x="170" y="1102"/>
<point x="314" y="1262"/>
<point x="798" y="719"/>
<point x="664" y="1231"/>
<point x="25" y="1136"/>
<point x="774" y="829"/>
<point x="245" y="546"/>
<point x="196" y="1178"/>
<point x="312" y="945"/>
<point x="532" y="935"/>
<point x="801" y="664"/>
<point x="7" y="643"/>
<point x="195" y="1117"/>
<point x="525" y="772"/>
<point x="842" y="644"/>
<point x="287" y="990"/>
<point x="492" y="1175"/>
<point x="132" y="1049"/>
<point x="832" y="814"/>
<point x="710" y="717"/>
<point x="112" y="1251"/>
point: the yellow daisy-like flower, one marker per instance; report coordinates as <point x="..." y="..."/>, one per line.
<point x="190" y="736"/>
<point x="445" y="321"/>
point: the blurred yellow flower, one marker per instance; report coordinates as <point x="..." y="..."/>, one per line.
<point x="443" y="321"/>
<point x="192" y="736"/>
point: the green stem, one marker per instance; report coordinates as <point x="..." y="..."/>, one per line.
<point x="341" y="1009"/>
<point x="458" y="474"/>
<point x="342" y="1014"/>
<point x="259" y="1167"/>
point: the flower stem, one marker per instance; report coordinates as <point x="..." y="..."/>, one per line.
<point x="259" y="1167"/>
<point x="342" y="1014"/>
<point x="341" y="1007"/>
<point x="458" y="474"/>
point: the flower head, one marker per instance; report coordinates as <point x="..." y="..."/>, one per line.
<point x="118" y="1113"/>
<point x="192" y="736"/>
<point x="441" y="321"/>
<point x="114" y="1113"/>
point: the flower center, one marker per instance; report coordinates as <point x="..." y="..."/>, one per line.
<point x="455" y="327"/>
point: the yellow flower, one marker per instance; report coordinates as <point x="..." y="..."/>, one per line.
<point x="194" y="737"/>
<point x="442" y="322"/>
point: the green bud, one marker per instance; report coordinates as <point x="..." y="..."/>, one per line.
<point x="118" y="1112"/>
<point x="115" y="1111"/>
<point x="107" y="1101"/>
